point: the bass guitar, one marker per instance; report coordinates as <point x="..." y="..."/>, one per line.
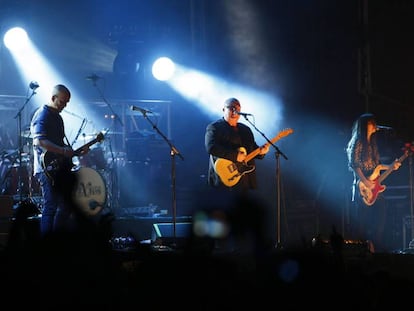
<point x="369" y="196"/>
<point x="52" y="163"/>
<point x="231" y="172"/>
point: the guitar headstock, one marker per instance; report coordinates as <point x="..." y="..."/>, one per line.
<point x="408" y="148"/>
<point x="100" y="137"/>
<point x="285" y="132"/>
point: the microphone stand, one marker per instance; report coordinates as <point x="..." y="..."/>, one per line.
<point x="278" y="153"/>
<point x="410" y="161"/>
<point x="173" y="153"/>
<point x="82" y="126"/>
<point x="106" y="102"/>
<point x="112" y="173"/>
<point x="18" y="116"/>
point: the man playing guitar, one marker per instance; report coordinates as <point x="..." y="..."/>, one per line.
<point x="227" y="138"/>
<point x="48" y="132"/>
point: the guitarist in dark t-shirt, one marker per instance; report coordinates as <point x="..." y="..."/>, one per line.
<point x="48" y="132"/>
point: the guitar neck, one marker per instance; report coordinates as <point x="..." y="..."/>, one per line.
<point x="255" y="152"/>
<point x="87" y="145"/>
<point x="390" y="169"/>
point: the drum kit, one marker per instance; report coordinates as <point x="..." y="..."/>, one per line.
<point x="94" y="171"/>
<point x="15" y="174"/>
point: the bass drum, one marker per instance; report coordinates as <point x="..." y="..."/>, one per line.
<point x="90" y="191"/>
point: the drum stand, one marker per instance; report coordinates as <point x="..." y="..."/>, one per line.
<point x="23" y="203"/>
<point x="20" y="143"/>
<point x="6" y="173"/>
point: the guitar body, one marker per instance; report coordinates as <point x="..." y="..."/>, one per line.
<point x="231" y="172"/>
<point x="54" y="164"/>
<point x="369" y="196"/>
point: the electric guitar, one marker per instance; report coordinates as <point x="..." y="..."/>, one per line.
<point x="231" y="172"/>
<point x="369" y="196"/>
<point x="52" y="163"/>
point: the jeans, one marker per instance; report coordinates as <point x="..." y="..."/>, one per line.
<point x="57" y="209"/>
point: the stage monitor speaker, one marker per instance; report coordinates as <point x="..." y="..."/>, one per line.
<point x="164" y="232"/>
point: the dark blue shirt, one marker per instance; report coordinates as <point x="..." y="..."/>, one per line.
<point x="48" y="124"/>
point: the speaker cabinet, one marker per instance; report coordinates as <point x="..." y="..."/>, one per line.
<point x="163" y="233"/>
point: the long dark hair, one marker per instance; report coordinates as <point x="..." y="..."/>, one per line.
<point x="359" y="133"/>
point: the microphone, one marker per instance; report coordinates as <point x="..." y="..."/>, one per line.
<point x="34" y="85"/>
<point x="93" y="77"/>
<point x="142" y="110"/>
<point x="243" y="114"/>
<point x="384" y="128"/>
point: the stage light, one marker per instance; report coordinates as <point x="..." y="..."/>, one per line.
<point x="163" y="69"/>
<point x="15" y="38"/>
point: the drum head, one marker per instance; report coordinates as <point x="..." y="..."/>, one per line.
<point x="90" y="191"/>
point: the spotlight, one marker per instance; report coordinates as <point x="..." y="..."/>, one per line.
<point x="15" y="38"/>
<point x="163" y="69"/>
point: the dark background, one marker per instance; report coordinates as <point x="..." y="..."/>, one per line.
<point x="328" y="61"/>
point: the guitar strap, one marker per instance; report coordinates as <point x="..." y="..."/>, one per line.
<point x="67" y="141"/>
<point x="354" y="189"/>
<point x="211" y="160"/>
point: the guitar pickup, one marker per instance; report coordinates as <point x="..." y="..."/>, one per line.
<point x="232" y="167"/>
